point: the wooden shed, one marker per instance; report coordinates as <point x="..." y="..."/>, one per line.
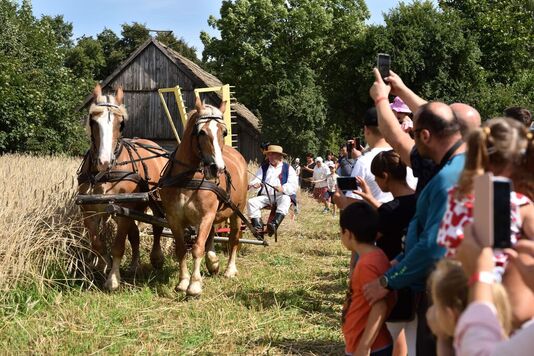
<point x="153" y="66"/>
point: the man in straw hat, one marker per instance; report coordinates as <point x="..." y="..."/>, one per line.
<point x="277" y="182"/>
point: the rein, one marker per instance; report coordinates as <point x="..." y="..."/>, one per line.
<point x="115" y="175"/>
<point x="185" y="179"/>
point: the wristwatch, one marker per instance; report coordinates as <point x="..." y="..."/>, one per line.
<point x="383" y="282"/>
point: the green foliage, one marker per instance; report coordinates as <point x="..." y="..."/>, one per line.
<point x="87" y="59"/>
<point x="504" y="31"/>
<point x="38" y="94"/>
<point x="98" y="58"/>
<point x="278" y="54"/>
<point x="305" y="65"/>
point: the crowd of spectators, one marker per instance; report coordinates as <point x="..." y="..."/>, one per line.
<point x="423" y="281"/>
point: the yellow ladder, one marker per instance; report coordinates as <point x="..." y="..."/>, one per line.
<point x="229" y="114"/>
<point x="181" y="107"/>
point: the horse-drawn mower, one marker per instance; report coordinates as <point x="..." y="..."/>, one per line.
<point x="114" y="205"/>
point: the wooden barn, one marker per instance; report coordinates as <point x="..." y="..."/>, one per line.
<point x="153" y="66"/>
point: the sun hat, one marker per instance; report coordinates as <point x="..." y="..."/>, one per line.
<point x="399" y="106"/>
<point x="275" y="149"/>
<point x="319" y="159"/>
<point x="297" y="160"/>
<point x="370" y="118"/>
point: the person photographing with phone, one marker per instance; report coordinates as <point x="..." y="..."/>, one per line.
<point x="362" y="167"/>
<point x="436" y="137"/>
<point x="502" y="147"/>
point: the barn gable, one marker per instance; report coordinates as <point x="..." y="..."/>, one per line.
<point x="153" y="66"/>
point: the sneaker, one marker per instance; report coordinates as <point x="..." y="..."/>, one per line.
<point x="325" y="210"/>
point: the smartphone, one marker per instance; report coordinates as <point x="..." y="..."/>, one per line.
<point x="383" y="63"/>
<point x="491" y="211"/>
<point x="347" y="183"/>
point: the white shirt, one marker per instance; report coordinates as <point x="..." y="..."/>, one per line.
<point x="331" y="180"/>
<point x="320" y="174"/>
<point x="362" y="168"/>
<point x="273" y="177"/>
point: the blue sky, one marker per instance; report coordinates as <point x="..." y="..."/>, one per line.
<point x="185" y="18"/>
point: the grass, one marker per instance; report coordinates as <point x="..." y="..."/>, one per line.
<point x="286" y="298"/>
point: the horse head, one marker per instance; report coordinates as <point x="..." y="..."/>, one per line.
<point x="107" y="115"/>
<point x="210" y="131"/>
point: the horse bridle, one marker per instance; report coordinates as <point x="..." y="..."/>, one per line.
<point x="203" y="120"/>
<point x="118" y="146"/>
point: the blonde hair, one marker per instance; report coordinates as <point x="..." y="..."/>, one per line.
<point x="501" y="142"/>
<point x="449" y="288"/>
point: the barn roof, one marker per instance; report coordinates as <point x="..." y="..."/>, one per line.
<point x="193" y="70"/>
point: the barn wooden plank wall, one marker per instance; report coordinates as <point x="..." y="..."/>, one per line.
<point x="141" y="78"/>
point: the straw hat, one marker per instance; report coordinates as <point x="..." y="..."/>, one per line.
<point x="275" y="149"/>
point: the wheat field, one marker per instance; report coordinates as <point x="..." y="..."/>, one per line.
<point x="286" y="299"/>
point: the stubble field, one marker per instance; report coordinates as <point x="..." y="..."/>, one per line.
<point x="286" y="298"/>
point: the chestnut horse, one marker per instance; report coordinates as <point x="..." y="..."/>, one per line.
<point x="114" y="165"/>
<point x="202" y="161"/>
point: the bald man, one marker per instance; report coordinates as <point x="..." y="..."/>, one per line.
<point x="437" y="137"/>
<point x="468" y="117"/>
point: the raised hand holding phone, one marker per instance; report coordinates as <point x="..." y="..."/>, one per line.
<point x="379" y="89"/>
<point x="491" y="211"/>
<point x="383" y="64"/>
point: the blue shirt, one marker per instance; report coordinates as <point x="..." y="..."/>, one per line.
<point x="421" y="248"/>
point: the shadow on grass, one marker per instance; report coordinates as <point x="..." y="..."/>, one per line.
<point x="306" y="347"/>
<point x="322" y="298"/>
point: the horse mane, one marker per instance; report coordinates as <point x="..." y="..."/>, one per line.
<point x="95" y="109"/>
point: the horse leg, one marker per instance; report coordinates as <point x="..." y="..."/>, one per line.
<point x="133" y="237"/>
<point x="233" y="244"/>
<point x="91" y="221"/>
<point x="156" y="255"/>
<point x="195" y="285"/>
<point x="178" y="231"/>
<point x="212" y="261"/>
<point x="117" y="251"/>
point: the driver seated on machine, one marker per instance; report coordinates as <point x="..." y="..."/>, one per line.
<point x="277" y="183"/>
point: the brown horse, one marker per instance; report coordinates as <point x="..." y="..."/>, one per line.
<point x="114" y="165"/>
<point x="203" y="157"/>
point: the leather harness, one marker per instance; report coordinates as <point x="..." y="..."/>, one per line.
<point x="185" y="180"/>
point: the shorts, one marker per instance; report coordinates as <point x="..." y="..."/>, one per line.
<point x="319" y="193"/>
<point x="328" y="195"/>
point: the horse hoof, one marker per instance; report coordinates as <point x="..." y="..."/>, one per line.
<point x="194" y="289"/>
<point x="134" y="266"/>
<point x="111" y="284"/>
<point x="157" y="261"/>
<point x="182" y="286"/>
<point x="212" y="263"/>
<point x="230" y="273"/>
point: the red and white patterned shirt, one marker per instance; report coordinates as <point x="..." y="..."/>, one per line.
<point x="460" y="212"/>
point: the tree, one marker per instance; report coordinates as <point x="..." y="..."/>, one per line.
<point x="38" y="95"/>
<point x="87" y="59"/>
<point x="62" y="30"/>
<point x="276" y="54"/>
<point x="133" y="36"/>
<point x="113" y="52"/>
<point x="179" y="45"/>
<point x="505" y="34"/>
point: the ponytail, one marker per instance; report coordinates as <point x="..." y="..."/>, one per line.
<point x="523" y="176"/>
<point x="476" y="162"/>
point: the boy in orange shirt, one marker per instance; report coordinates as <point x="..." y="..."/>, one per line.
<point x="364" y="325"/>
